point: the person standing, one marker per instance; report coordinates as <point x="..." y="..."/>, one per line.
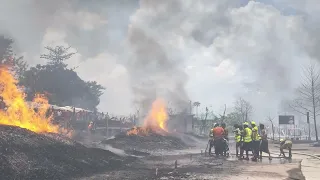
<point x="247" y="140"/>
<point x="255" y="141"/>
<point x="264" y="145"/>
<point x="237" y="136"/>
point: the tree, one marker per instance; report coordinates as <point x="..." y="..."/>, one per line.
<point x="62" y="85"/>
<point x="244" y="109"/>
<point x="7" y="57"/>
<point x="223" y="117"/>
<point x="57" y="56"/>
<point x="233" y="118"/>
<point x="196" y="104"/>
<point x="308" y="94"/>
<point x="204" y="122"/>
<point x="269" y="118"/>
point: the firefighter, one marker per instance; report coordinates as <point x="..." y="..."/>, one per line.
<point x="285" y="144"/>
<point x="247" y="140"/>
<point x="237" y="136"/>
<point x="255" y="141"/>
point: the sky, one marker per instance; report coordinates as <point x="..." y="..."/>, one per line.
<point x="181" y="50"/>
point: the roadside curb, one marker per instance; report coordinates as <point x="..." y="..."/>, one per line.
<point x="309" y="167"/>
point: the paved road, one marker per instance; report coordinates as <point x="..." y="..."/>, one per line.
<point x="310" y="163"/>
<point x="198" y="167"/>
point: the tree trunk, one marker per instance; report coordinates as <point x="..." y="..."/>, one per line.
<point x="314" y="110"/>
<point x="272" y="132"/>
<point x="315" y="124"/>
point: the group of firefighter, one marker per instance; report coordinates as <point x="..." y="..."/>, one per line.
<point x="248" y="137"/>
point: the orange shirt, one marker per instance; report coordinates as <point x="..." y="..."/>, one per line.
<point x="218" y="132"/>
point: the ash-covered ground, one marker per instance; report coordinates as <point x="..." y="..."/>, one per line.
<point x="154" y="142"/>
<point x="27" y="155"/>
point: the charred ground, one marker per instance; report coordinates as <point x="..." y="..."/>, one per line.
<point x="28" y="155"/>
<point x="148" y="142"/>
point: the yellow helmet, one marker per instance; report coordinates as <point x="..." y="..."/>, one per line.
<point x="246" y="124"/>
<point x="281" y="140"/>
<point x="253" y="123"/>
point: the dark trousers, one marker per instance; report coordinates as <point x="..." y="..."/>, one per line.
<point x="256" y="148"/>
<point x="246" y="146"/>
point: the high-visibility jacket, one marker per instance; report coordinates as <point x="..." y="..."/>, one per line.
<point x="288" y="142"/>
<point x="211" y="133"/>
<point x="242" y="135"/>
<point x="255" y="134"/>
<point x="237" y="135"/>
<point x="248" y="133"/>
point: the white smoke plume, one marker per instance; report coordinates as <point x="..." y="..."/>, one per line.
<point x="206" y="50"/>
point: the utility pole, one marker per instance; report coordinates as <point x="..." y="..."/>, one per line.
<point x="308" y="121"/>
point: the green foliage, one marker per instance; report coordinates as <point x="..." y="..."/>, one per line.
<point x="7" y="57"/>
<point x="62" y="85"/>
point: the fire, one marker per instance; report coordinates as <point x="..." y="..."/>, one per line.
<point x="157" y="117"/>
<point x="135" y="130"/>
<point x="155" y="120"/>
<point x="18" y="112"/>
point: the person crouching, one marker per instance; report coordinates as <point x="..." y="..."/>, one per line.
<point x="285" y="144"/>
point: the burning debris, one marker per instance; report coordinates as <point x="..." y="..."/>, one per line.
<point x="18" y="112"/>
<point x="154" y="122"/>
<point x="152" y="136"/>
<point x="30" y="146"/>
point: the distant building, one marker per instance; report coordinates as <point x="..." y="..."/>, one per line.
<point x="181" y="123"/>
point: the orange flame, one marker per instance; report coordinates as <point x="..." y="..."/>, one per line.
<point x="136" y="131"/>
<point x="157" y="117"/>
<point x="155" y="120"/>
<point x="18" y="112"/>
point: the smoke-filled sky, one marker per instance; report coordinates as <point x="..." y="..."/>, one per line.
<point x="200" y="50"/>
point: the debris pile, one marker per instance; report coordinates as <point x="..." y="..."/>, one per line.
<point x="28" y="155"/>
<point x="151" y="141"/>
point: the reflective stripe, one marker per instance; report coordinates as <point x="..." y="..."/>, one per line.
<point x="288" y="142"/>
<point x="247" y="137"/>
<point x="256" y="136"/>
<point x="237" y="135"/>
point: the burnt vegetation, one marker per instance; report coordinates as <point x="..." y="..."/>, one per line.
<point x="27" y="155"/>
<point x="151" y="141"/>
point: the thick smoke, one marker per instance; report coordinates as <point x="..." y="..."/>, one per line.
<point x="207" y="50"/>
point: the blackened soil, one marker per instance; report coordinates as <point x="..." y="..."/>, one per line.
<point x="150" y="142"/>
<point x="28" y="155"/>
